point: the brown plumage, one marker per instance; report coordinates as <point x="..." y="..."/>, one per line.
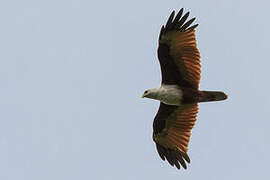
<point x="179" y="60"/>
<point x="172" y="141"/>
<point x="178" y="54"/>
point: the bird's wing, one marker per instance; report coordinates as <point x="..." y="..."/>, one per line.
<point x="177" y="52"/>
<point x="172" y="130"/>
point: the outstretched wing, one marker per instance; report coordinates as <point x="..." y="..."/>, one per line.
<point x="172" y="130"/>
<point x="177" y="52"/>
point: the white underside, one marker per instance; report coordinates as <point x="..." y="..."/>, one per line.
<point x="170" y="94"/>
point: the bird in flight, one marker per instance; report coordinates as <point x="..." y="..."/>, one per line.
<point x="179" y="92"/>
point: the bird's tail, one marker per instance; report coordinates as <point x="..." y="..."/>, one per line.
<point x="206" y="96"/>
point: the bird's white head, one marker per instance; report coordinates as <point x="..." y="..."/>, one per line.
<point x="168" y="94"/>
<point x="151" y="93"/>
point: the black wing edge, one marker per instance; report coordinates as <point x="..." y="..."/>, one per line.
<point x="178" y="23"/>
<point x="174" y="157"/>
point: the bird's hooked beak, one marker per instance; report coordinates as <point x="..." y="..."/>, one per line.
<point x="145" y="94"/>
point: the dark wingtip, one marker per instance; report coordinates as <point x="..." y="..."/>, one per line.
<point x="161" y="151"/>
<point x="182" y="20"/>
<point x="174" y="157"/>
<point x="169" y="22"/>
<point x="192" y="27"/>
<point x="178" y="17"/>
<point x="161" y="32"/>
<point x="178" y="23"/>
<point x="187" y="24"/>
<point x="185" y="156"/>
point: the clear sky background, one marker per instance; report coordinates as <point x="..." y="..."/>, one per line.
<point x="72" y="73"/>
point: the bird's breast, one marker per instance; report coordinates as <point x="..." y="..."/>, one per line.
<point x="171" y="95"/>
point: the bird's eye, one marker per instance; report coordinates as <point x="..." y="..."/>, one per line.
<point x="145" y="92"/>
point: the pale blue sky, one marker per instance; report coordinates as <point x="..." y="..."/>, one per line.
<point x="72" y="73"/>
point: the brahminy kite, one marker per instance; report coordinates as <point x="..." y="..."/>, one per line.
<point x="179" y="92"/>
